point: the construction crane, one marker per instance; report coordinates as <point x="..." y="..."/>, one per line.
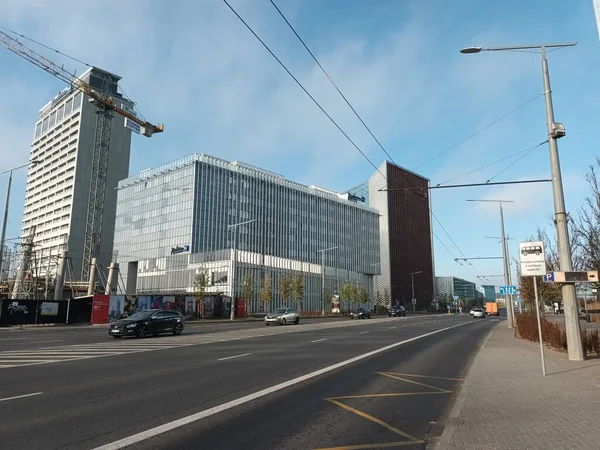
<point x="106" y="108"/>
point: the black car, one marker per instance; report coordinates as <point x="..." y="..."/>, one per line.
<point x="148" y="321"/>
<point x="397" y="311"/>
<point x="360" y="313"/>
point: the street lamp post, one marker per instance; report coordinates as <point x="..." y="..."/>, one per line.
<point x="5" y="220"/>
<point x="507" y="277"/>
<point x="322" y="251"/>
<point x="235" y="227"/>
<point x="412" y="282"/>
<point x="555" y="132"/>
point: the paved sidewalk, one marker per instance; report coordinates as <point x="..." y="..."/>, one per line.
<point x="506" y="404"/>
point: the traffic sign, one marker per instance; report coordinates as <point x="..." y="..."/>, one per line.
<point x="510" y="290"/>
<point x="533" y="259"/>
<point x="591" y="276"/>
<point x="549" y="277"/>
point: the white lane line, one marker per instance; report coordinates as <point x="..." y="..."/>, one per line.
<point x="319" y="340"/>
<point x="363" y="332"/>
<point x="144" y="435"/>
<point x="393" y="328"/>
<point x="45" y="342"/>
<point x="235" y="356"/>
<point x="20" y="396"/>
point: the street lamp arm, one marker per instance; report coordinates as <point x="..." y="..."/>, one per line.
<point x="477" y="49"/>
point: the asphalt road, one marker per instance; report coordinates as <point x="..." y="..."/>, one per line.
<point x="91" y="402"/>
<point x="11" y="339"/>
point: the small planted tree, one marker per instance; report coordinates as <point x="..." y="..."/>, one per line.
<point x="248" y="290"/>
<point x="362" y="296"/>
<point x="266" y="293"/>
<point x="285" y="287"/>
<point x="201" y="282"/>
<point x="297" y="282"/>
<point x="387" y="301"/>
<point x="348" y="292"/>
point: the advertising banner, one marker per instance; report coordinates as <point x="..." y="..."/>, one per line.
<point x="100" y="308"/>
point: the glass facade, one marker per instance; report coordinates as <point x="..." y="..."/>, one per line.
<point x="190" y="206"/>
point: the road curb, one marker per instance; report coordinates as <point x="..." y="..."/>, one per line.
<point x="441" y="442"/>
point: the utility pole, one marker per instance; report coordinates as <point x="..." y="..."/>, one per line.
<point x="322" y="251"/>
<point x="235" y="227"/>
<point x="412" y="281"/>
<point x="555" y="132"/>
<point x="507" y="276"/>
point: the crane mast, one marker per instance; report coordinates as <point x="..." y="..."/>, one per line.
<point x="106" y="108"/>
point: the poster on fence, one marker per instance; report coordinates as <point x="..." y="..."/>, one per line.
<point x="49" y="309"/>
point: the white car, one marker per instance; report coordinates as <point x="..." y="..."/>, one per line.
<point x="472" y="311"/>
<point x="282" y="316"/>
<point x="478" y="313"/>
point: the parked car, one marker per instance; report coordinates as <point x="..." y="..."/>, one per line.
<point x="396" y="311"/>
<point x="148" y="322"/>
<point x="282" y="316"/>
<point x="360" y="313"/>
<point x="478" y="313"/>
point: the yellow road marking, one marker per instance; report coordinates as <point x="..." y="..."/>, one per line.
<point x="373" y="419"/>
<point x="391" y="375"/>
<point x="391" y="394"/>
<point x="367" y="446"/>
<point x="396" y="376"/>
<point x="425" y="376"/>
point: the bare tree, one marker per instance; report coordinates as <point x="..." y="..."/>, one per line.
<point x="588" y="221"/>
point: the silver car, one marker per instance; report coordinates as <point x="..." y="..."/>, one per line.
<point x="282" y="316"/>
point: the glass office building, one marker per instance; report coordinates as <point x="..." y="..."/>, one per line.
<point x="179" y="218"/>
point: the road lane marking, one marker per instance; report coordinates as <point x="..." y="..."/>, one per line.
<point x="144" y="435"/>
<point x="235" y="356"/>
<point x="368" y="446"/>
<point x="364" y="415"/>
<point x="363" y="332"/>
<point x="319" y="340"/>
<point x="19" y="396"/>
<point x="45" y="342"/>
<point x="393" y="328"/>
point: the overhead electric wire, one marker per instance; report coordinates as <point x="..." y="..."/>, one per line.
<point x="469" y="137"/>
<point x="331" y="81"/>
<point x="454" y="243"/>
<point x="326" y="113"/>
<point x="526" y="151"/>
<point x="302" y="87"/>
<point x="515" y="161"/>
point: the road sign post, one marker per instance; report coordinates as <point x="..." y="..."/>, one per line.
<point x="532" y="256"/>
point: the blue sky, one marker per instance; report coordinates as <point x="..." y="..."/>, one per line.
<point x="199" y="71"/>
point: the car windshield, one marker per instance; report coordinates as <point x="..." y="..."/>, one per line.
<point x="280" y="311"/>
<point x="141" y="315"/>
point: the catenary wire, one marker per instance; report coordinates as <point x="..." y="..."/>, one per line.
<point x="514" y="162"/>
<point x="303" y="88"/>
<point x="331" y="81"/>
<point x="327" y="114"/>
<point x="526" y="151"/>
<point x="452" y="147"/>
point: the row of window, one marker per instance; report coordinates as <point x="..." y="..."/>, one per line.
<point x="58" y="114"/>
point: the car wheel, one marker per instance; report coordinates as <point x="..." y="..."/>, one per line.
<point x="297" y="321"/>
<point x="142" y="332"/>
<point x="389" y="315"/>
<point x="283" y="322"/>
<point x="177" y="329"/>
<point x="266" y="324"/>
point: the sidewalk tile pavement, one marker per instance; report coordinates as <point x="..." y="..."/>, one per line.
<point x="506" y="403"/>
